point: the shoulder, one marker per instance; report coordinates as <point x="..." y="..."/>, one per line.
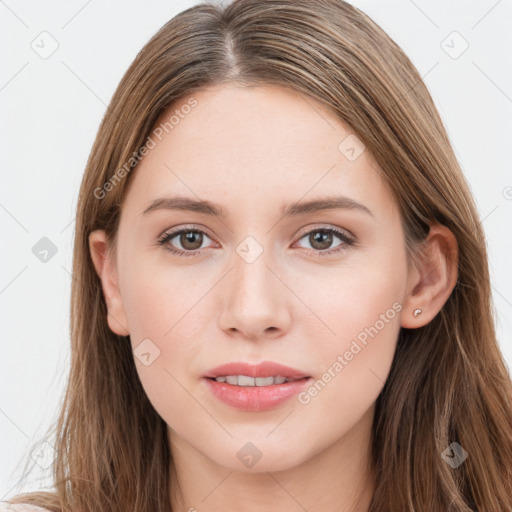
<point x="19" y="507"/>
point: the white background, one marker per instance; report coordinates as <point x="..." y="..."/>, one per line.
<point x="50" y="110"/>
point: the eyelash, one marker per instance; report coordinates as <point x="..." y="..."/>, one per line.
<point x="346" y="239"/>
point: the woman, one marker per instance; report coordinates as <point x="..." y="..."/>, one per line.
<point x="281" y="297"/>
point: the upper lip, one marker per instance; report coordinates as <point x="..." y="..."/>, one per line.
<point x="263" y="369"/>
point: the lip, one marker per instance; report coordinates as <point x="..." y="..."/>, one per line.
<point x="255" y="398"/>
<point x="264" y="369"/>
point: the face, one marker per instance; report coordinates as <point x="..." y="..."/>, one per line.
<point x="255" y="276"/>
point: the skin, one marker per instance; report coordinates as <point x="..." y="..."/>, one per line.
<point x="251" y="151"/>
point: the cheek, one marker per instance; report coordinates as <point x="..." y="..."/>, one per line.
<point x="359" y="308"/>
<point x="353" y="364"/>
<point x="164" y="332"/>
<point x="158" y="297"/>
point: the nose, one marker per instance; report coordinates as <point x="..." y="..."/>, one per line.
<point x="255" y="300"/>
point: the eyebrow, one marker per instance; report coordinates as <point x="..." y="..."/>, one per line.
<point x="300" y="208"/>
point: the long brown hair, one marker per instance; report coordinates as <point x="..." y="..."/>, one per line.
<point x="448" y="382"/>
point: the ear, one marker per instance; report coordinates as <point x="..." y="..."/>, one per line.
<point x="433" y="277"/>
<point x="107" y="272"/>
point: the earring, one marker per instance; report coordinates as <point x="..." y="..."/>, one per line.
<point x="417" y="312"/>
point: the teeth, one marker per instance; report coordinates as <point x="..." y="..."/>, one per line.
<point x="244" y="380"/>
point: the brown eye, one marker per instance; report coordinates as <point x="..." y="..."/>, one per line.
<point x="320" y="240"/>
<point x="184" y="242"/>
<point x="191" y="240"/>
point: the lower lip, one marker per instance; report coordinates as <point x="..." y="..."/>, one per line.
<point x="256" y="398"/>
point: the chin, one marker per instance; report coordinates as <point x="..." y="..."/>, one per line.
<point x="260" y="455"/>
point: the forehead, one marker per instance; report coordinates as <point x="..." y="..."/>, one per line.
<point x="263" y="118"/>
<point x="263" y="142"/>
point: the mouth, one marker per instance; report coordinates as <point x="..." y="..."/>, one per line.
<point x="247" y="371"/>
<point x="247" y="381"/>
<point x="255" y="388"/>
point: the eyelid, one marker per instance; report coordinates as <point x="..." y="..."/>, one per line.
<point x="319" y="227"/>
<point x="186" y="227"/>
